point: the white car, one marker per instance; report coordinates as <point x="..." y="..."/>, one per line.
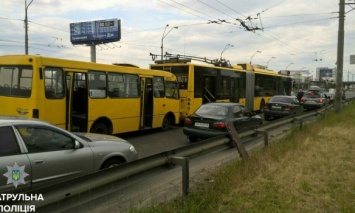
<point x="34" y="153"/>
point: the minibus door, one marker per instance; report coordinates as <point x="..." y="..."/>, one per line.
<point x="77" y="102"/>
<point x="147" y="103"/>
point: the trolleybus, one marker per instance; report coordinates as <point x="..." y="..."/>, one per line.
<point x="221" y="82"/>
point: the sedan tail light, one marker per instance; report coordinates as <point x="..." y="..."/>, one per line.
<point x="266" y="106"/>
<point x="288" y="107"/>
<point x="187" y="121"/>
<point x="219" y="125"/>
<point x="320" y="100"/>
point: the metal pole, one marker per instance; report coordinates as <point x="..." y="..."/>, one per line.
<point x="340" y="55"/>
<point x="289" y="65"/>
<point x="267" y="64"/>
<point x="254" y="55"/>
<point x="93" y="52"/>
<point x="225" y="48"/>
<point x="162" y="40"/>
<point x="26" y="26"/>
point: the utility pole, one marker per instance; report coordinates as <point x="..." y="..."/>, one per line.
<point x="26" y="26"/>
<point x="340" y="58"/>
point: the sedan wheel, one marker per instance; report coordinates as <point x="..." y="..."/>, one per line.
<point x="111" y="163"/>
<point x="266" y="117"/>
<point x="192" y="139"/>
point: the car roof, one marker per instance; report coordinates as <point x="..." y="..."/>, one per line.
<point x="314" y="88"/>
<point x="223" y="104"/>
<point x="19" y="119"/>
<point x="284" y="96"/>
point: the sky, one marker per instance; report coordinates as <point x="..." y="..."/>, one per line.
<point x="279" y="34"/>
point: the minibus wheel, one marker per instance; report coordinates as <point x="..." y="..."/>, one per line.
<point x="100" y="128"/>
<point x="166" y="123"/>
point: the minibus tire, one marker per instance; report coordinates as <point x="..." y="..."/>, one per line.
<point x="100" y="128"/>
<point x="166" y="123"/>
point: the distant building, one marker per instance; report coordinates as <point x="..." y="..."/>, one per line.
<point x="300" y="75"/>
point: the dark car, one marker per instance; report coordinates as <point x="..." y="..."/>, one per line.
<point x="314" y="100"/>
<point x="282" y="106"/>
<point x="210" y="120"/>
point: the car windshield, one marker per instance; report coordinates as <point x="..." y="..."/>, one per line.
<point x="281" y="99"/>
<point x="212" y="110"/>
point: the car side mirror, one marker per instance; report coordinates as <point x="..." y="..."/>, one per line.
<point x="77" y="145"/>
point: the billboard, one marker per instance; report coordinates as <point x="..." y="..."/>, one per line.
<point x="325" y="73"/>
<point x="352" y="59"/>
<point x="95" y="32"/>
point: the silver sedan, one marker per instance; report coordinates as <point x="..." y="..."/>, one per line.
<point x="34" y="153"/>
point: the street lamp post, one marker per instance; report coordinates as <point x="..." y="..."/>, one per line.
<point x="289" y="65"/>
<point x="162" y="38"/>
<point x="254" y="55"/>
<point x="301" y="78"/>
<point x="267" y="64"/>
<point x="26" y="26"/>
<point x="225" y="48"/>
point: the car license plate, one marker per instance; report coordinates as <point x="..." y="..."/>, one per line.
<point x="276" y="107"/>
<point x="204" y="125"/>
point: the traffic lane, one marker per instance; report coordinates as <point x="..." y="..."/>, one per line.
<point x="150" y="142"/>
<point x="153" y="141"/>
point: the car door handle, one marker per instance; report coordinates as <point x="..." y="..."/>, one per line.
<point x="38" y="161"/>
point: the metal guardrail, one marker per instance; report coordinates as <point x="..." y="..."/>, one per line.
<point x="56" y="193"/>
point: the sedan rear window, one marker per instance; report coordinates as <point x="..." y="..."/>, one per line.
<point x="281" y="99"/>
<point x="312" y="95"/>
<point x="212" y="110"/>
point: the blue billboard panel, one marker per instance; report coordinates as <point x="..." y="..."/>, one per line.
<point x="95" y="32"/>
<point x="325" y="72"/>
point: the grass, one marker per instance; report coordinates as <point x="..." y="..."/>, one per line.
<point x="312" y="170"/>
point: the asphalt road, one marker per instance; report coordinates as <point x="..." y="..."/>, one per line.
<point x="150" y="142"/>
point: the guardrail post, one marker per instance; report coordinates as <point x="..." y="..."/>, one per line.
<point x="184" y="162"/>
<point x="300" y="120"/>
<point x="266" y="136"/>
<point x="236" y="140"/>
<point x="319" y="113"/>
